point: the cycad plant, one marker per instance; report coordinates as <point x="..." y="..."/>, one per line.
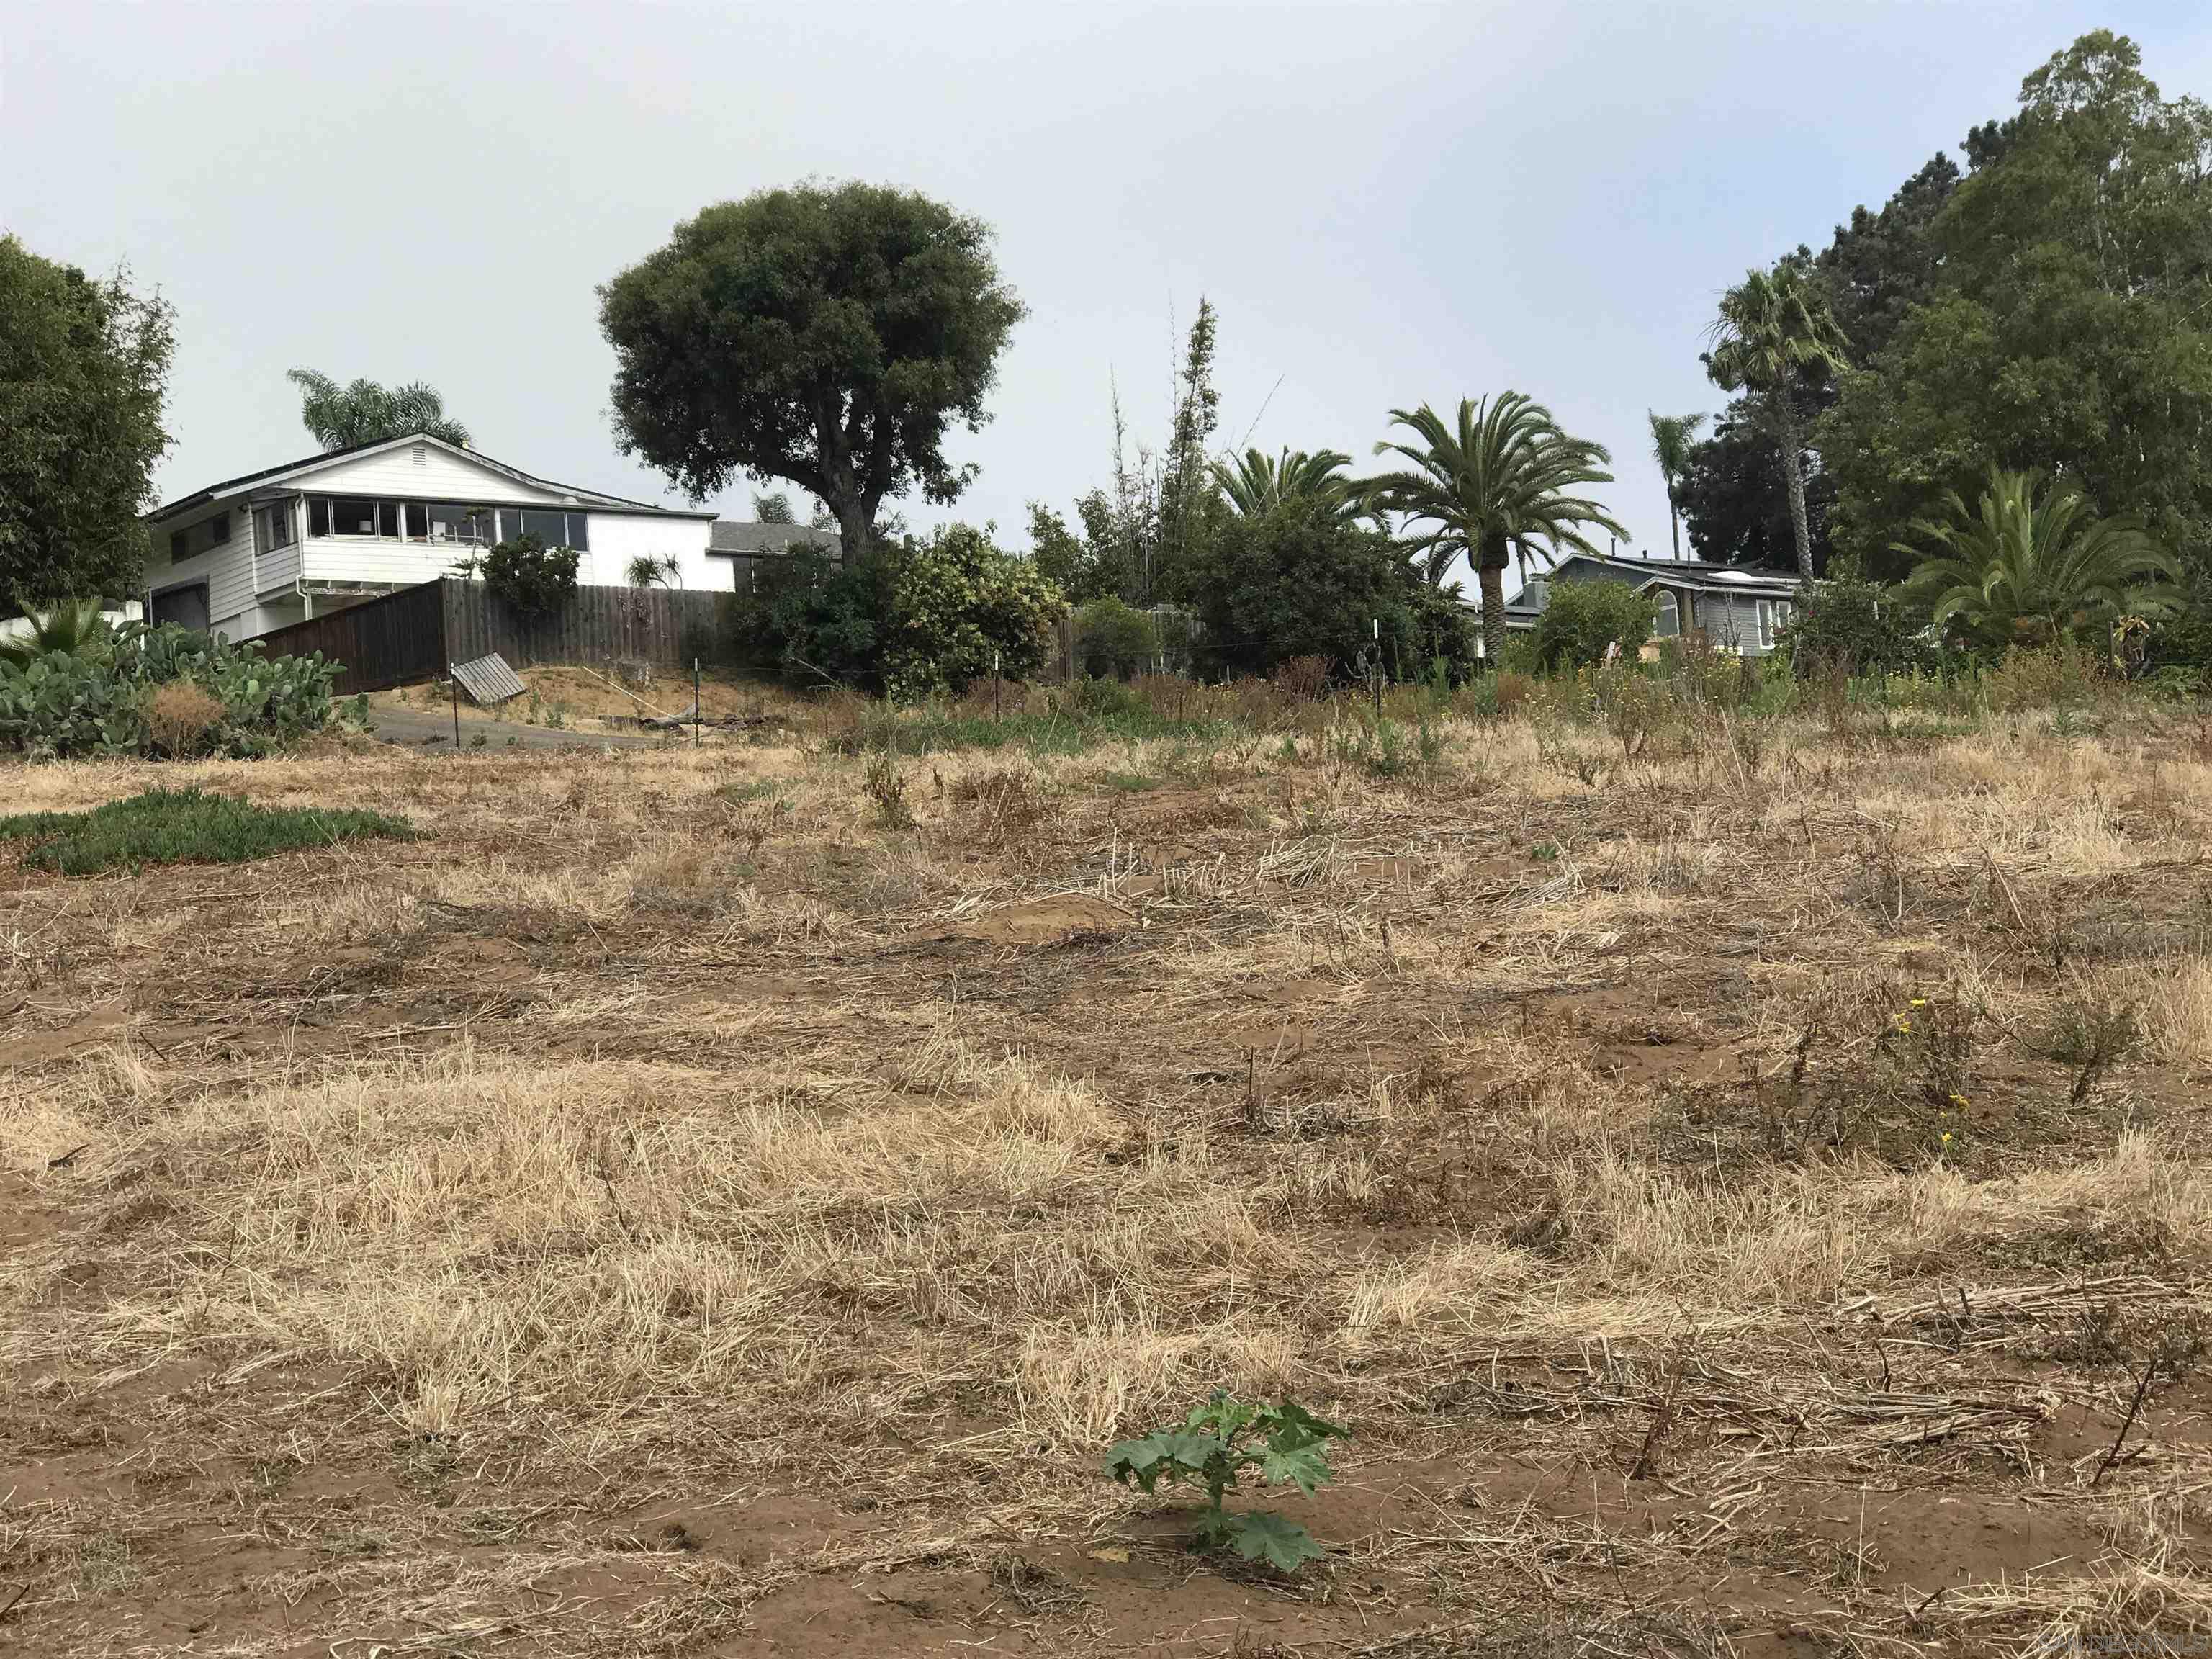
<point x="2030" y="564"/>
<point x="1774" y="327"/>
<point x="1257" y="482"/>
<point x="73" y="626"/>
<point x="1501" y="481"/>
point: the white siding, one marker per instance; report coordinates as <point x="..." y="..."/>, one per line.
<point x="228" y="570"/>
<point x="619" y="538"/>
<point x="395" y="564"/>
<point x="441" y="476"/>
<point x="277" y="568"/>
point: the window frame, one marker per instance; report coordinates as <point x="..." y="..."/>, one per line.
<point x="1666" y="605"/>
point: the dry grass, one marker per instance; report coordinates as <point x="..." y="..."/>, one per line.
<point x="668" y="1209"/>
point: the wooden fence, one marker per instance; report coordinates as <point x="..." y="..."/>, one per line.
<point x="418" y="633"/>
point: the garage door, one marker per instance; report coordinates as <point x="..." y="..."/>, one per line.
<point x="187" y="605"/>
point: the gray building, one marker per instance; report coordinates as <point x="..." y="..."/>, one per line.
<point x="1737" y="608"/>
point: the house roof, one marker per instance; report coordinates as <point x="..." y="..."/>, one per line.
<point x="734" y="537"/>
<point x="1700" y="575"/>
<point x="277" y="474"/>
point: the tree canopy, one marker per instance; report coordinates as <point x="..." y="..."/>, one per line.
<point x="2068" y="325"/>
<point x="84" y="366"/>
<point x="829" y="335"/>
<point x="343" y="416"/>
<point x="1500" y="481"/>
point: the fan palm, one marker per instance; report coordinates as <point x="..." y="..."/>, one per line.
<point x="1671" y="437"/>
<point x="1499" y="483"/>
<point x="366" y="413"/>
<point x="2032" y="564"/>
<point x="70" y="627"/>
<point x="1773" y="327"/>
<point x="1258" y="483"/>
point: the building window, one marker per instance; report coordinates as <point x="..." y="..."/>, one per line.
<point x="418" y="522"/>
<point x="196" y="538"/>
<point x="1774" y="617"/>
<point x="452" y="521"/>
<point x="352" y="515"/>
<point x="276" y="525"/>
<point x="1666" y="616"/>
<point x="387" y="520"/>
<point x="318" y="516"/>
<point x="554" y="529"/>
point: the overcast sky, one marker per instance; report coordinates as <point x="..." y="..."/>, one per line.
<point x="1386" y="203"/>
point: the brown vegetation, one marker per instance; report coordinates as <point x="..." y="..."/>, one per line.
<point x="1746" y="1188"/>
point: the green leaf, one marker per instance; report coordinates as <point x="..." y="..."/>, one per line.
<point x="1305" y="1467"/>
<point x="1264" y="1535"/>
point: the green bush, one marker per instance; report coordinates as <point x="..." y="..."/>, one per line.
<point x="91" y="699"/>
<point x="960" y="605"/>
<point x="183" y="826"/>
<point x="1581" y="619"/>
<point x="917" y="618"/>
<point x="1846" y="622"/>
<point x="534" y="578"/>
<point x="1115" y="639"/>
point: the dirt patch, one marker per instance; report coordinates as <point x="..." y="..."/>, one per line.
<point x="1042" y="922"/>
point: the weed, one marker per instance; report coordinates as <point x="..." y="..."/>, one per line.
<point x="180" y="715"/>
<point x="2091" y="1036"/>
<point x="1215" y="1445"/>
<point x="887" y="789"/>
<point x="184" y="826"/>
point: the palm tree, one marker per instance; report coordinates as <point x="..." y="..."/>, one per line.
<point x="341" y="418"/>
<point x="1498" y="484"/>
<point x="1259" y="483"/>
<point x="1774" y="326"/>
<point x="2023" y="568"/>
<point x="1671" y="437"/>
<point x="70" y="627"/>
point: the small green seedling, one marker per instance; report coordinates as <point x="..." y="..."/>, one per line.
<point x="1215" y="1445"/>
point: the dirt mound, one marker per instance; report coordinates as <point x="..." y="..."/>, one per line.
<point x="1042" y="922"/>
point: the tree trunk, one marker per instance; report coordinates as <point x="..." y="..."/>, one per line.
<point x="1674" y="519"/>
<point x="1491" y="562"/>
<point x="855" y="532"/>
<point x="1793" y="478"/>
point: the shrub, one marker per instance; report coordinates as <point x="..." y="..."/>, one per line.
<point x="1581" y="619"/>
<point x="95" y="701"/>
<point x="2060" y="676"/>
<point x="1112" y="638"/>
<point x="957" y="606"/>
<point x="1848" y="621"/>
<point x="183" y="826"/>
<point x="180" y="715"/>
<point x="534" y="578"/>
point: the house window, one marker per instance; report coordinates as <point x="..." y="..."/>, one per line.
<point x="387" y="520"/>
<point x="1666" y="616"/>
<point x="318" y="516"/>
<point x="1774" y="617"/>
<point x="352" y="515"/>
<point x="554" y="529"/>
<point x="418" y="521"/>
<point x="276" y="525"/>
<point x="452" y="521"/>
<point x="196" y="538"/>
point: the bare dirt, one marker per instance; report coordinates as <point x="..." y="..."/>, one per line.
<point x="665" y="1212"/>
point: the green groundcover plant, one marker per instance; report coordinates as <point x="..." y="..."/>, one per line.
<point x="1214" y="1446"/>
<point x="184" y="826"/>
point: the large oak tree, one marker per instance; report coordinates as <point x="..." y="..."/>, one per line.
<point x="831" y="336"/>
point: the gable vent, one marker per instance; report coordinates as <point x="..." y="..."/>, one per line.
<point x="422" y="454"/>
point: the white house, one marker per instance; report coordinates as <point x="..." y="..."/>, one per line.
<point x="252" y="554"/>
